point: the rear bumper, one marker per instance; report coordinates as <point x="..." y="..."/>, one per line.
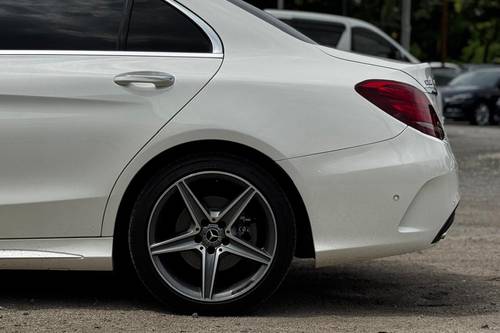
<point x="377" y="200"/>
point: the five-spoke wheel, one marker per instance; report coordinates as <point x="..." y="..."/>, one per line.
<point x="213" y="236"/>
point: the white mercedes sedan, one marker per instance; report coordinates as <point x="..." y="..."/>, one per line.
<point x="201" y="145"/>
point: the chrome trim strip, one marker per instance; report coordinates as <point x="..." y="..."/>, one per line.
<point x="35" y="254"/>
<point x="62" y="253"/>
<point x="113" y="53"/>
<point x="217" y="47"/>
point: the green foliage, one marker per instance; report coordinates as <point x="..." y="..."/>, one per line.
<point x="416" y="51"/>
<point x="483" y="45"/>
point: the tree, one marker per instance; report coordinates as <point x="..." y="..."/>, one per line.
<point x="483" y="45"/>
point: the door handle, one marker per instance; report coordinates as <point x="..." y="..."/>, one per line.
<point x="158" y="79"/>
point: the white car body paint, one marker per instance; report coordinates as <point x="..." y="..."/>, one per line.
<point x="350" y="195"/>
<point x="294" y="102"/>
<point x="67" y="130"/>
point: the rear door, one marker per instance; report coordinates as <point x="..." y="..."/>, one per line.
<point x="83" y="86"/>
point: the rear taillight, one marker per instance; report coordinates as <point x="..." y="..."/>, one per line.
<point x="405" y="103"/>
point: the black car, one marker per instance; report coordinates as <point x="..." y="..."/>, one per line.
<point x="474" y="96"/>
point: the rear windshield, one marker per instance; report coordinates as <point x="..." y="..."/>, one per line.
<point x="271" y="20"/>
<point x="324" y="33"/>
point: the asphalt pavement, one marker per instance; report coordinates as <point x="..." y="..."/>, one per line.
<point x="452" y="287"/>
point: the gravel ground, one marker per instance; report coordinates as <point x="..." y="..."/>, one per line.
<point x="453" y="287"/>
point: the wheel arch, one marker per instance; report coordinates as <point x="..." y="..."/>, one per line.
<point x="305" y="244"/>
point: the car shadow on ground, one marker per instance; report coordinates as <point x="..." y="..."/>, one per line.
<point x="382" y="287"/>
<point x="373" y="288"/>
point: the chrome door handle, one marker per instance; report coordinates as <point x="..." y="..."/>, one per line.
<point x="158" y="79"/>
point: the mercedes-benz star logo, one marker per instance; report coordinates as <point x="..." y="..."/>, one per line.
<point x="212" y="235"/>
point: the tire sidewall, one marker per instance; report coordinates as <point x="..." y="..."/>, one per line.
<point x="164" y="179"/>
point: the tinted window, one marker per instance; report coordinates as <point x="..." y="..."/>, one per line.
<point x="60" y="25"/>
<point x="479" y="79"/>
<point x="324" y="33"/>
<point x="271" y="20"/>
<point x="444" y="75"/>
<point x="368" y="42"/>
<point x="157" y="26"/>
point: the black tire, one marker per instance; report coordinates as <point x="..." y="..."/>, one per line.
<point x="159" y="183"/>
<point x="481" y="115"/>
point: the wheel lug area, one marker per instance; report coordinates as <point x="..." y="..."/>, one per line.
<point x="198" y="238"/>
<point x="225" y="241"/>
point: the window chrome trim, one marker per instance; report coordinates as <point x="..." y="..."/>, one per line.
<point x="217" y="47"/>
<point x="113" y="53"/>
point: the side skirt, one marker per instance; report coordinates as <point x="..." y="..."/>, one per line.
<point x="85" y="254"/>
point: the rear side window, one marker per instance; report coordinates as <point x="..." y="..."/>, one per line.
<point x="157" y="26"/>
<point x="271" y="20"/>
<point x="368" y="42"/>
<point x="324" y="33"/>
<point x="60" y="25"/>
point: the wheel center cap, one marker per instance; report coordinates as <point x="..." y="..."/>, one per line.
<point x="212" y="236"/>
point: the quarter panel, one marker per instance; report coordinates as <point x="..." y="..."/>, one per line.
<point x="284" y="91"/>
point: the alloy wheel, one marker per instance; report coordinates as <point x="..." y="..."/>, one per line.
<point x="212" y="236"/>
<point x="482" y="115"/>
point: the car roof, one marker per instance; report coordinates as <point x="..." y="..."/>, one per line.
<point x="447" y="65"/>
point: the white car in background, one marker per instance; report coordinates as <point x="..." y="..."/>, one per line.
<point x="344" y="33"/>
<point x="204" y="161"/>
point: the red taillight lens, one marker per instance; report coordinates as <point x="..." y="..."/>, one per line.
<point x="405" y="103"/>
